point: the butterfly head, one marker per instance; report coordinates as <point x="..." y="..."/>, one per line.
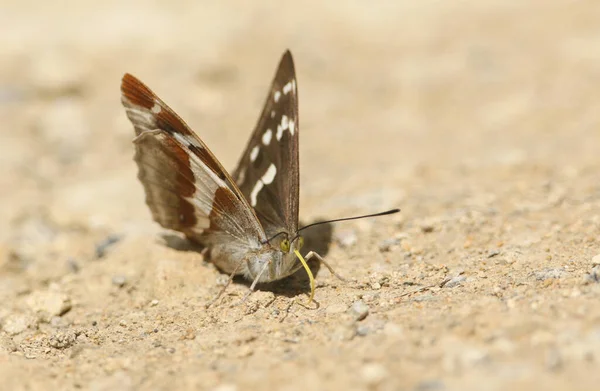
<point x="282" y="252"/>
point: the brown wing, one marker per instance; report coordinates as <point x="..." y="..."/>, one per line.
<point x="187" y="189"/>
<point x="268" y="174"/>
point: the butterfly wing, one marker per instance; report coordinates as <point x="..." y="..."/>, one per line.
<point x="267" y="173"/>
<point x="187" y="189"/>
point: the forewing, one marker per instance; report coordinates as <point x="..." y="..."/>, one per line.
<point x="187" y="189"/>
<point x="267" y="173"/>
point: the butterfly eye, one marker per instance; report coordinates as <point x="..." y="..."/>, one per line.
<point x="285" y="245"/>
<point x="300" y="242"/>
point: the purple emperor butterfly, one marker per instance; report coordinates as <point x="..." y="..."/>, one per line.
<point x="248" y="222"/>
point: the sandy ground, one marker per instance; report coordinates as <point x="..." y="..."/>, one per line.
<point x="480" y="119"/>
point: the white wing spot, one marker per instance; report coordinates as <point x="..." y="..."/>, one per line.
<point x="272" y="113"/>
<point x="156" y="108"/>
<point x="287" y="88"/>
<point x="259" y="185"/>
<point x="292" y="127"/>
<point x="284" y="122"/>
<point x="269" y="175"/>
<point x="276" y="96"/>
<point x="279" y="132"/>
<point x="266" y="138"/>
<point x="266" y="179"/>
<point x="254" y="153"/>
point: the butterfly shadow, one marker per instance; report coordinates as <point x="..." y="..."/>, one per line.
<point x="179" y="243"/>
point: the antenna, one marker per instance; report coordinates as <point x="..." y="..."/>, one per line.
<point x="387" y="212"/>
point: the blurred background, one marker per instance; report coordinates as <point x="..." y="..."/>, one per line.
<point x="437" y="107"/>
<point x="385" y="90"/>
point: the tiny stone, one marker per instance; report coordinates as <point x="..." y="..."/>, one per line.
<point x="454" y="281"/>
<point x="17" y="323"/>
<point x="154" y="303"/>
<point x="370" y="297"/>
<point x="376" y="286"/>
<point x="94" y="323"/>
<point x="359" y="310"/>
<point x="62" y="340"/>
<point x="373" y="374"/>
<point x="190" y="334"/>
<point x="427" y="228"/>
<point x="596" y="260"/>
<point x="546" y="274"/>
<point x="119" y="281"/>
<point x="387" y="244"/>
<point x="346" y="238"/>
<point x="123" y="323"/>
<point x="493" y="253"/>
<point x="362" y="330"/>
<point x="49" y="303"/>
<point x="104" y="244"/>
<point x="593" y="277"/>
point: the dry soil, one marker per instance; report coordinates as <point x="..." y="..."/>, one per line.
<point x="480" y="119"/>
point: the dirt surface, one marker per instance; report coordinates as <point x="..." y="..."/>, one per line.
<point x="480" y="119"/>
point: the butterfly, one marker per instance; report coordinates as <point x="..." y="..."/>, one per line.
<point x="248" y="221"/>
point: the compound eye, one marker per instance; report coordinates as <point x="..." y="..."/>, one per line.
<point x="285" y="245"/>
<point x="300" y="242"/>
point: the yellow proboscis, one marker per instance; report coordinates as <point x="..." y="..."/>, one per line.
<point x="310" y="275"/>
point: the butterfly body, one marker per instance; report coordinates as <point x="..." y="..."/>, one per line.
<point x="248" y="222"/>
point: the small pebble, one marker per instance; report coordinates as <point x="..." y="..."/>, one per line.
<point x="154" y="303"/>
<point x="546" y="274"/>
<point x="104" y="244"/>
<point x="17" y="323"/>
<point x="119" y="281"/>
<point x="454" y="281"/>
<point x="62" y="340"/>
<point x="49" y="303"/>
<point x="596" y="260"/>
<point x="362" y="330"/>
<point x="359" y="310"/>
<point x="493" y="253"/>
<point x="123" y="323"/>
<point x="387" y="244"/>
<point x="373" y="374"/>
<point x="593" y="277"/>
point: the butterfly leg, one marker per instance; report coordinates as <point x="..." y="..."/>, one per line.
<point x="226" y="285"/>
<point x="253" y="284"/>
<point x="313" y="254"/>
